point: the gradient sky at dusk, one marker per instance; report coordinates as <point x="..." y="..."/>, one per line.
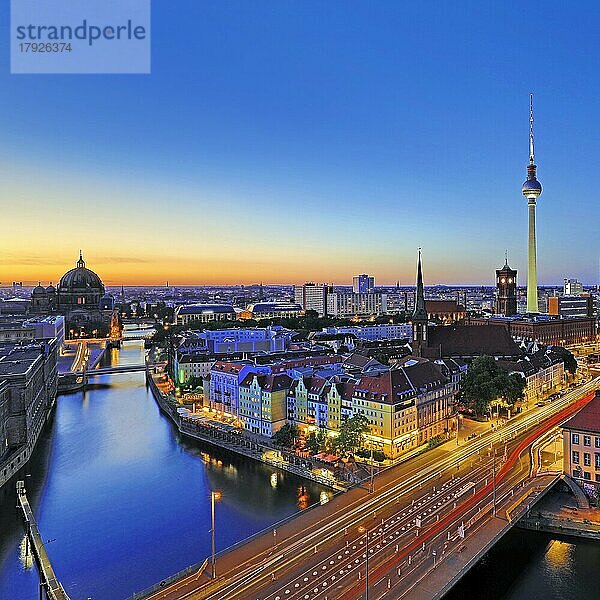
<point x="304" y="140"/>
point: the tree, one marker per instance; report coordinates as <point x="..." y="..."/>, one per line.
<point x="286" y="436"/>
<point x="351" y="435"/>
<point x="569" y="360"/>
<point x="485" y="384"/>
<point x="193" y="383"/>
<point x="477" y="387"/>
<point x="513" y="387"/>
<point x="318" y="441"/>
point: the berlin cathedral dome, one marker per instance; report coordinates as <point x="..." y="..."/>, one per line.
<point x="80" y="296"/>
<point x="80" y="288"/>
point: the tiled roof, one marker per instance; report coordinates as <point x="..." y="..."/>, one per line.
<point x="229" y="367"/>
<point x="269" y="383"/>
<point x="443" y="306"/>
<point x="402" y="382"/>
<point x="357" y="360"/>
<point x="196" y="358"/>
<point x="345" y="390"/>
<point x="471" y="340"/>
<point x="588" y="418"/>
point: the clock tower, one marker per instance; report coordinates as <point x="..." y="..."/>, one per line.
<point x="506" y="290"/>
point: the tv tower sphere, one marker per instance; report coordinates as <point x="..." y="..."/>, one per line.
<point x="532" y="188"/>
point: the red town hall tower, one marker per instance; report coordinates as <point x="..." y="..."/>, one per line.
<point x="506" y="290"/>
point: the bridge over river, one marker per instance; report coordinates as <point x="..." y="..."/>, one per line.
<point x="427" y="522"/>
<point x="76" y="380"/>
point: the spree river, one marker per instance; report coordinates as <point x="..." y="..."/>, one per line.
<point x="124" y="502"/>
<point x="527" y="565"/>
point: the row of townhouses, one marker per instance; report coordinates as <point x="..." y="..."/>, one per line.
<point x="407" y="402"/>
<point x="406" y="405"/>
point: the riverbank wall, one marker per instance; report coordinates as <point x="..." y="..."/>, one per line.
<point x="15" y="462"/>
<point x="559" y="514"/>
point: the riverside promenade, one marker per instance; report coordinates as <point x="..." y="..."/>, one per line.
<point x="338" y="477"/>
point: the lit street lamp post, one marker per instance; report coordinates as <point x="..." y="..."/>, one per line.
<point x="214" y="496"/>
<point x="494" y="479"/>
<point x="457" y="426"/>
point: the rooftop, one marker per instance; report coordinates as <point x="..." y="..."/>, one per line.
<point x="588" y="418"/>
<point x="199" y="309"/>
<point x="471" y="340"/>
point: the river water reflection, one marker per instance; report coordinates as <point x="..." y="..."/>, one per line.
<point x="527" y="565"/>
<point x="125" y="502"/>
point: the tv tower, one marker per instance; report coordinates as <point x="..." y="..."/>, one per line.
<point x="531" y="189"/>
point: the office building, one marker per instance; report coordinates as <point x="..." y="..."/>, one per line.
<point x="572" y="287"/>
<point x="385" y="331"/>
<point x="363" y="284"/>
<point x="571" y="306"/>
<point x="312" y="296"/>
<point x="351" y="304"/>
<point x="204" y="313"/>
<point x="544" y="329"/>
<point x="271" y="310"/>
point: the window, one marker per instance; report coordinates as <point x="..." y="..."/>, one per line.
<point x="597" y="442"/>
<point x="586" y="475"/>
<point x="575" y="459"/>
<point x="597" y="460"/>
<point x="587" y="461"/>
<point x="587" y="440"/>
<point x="575" y="438"/>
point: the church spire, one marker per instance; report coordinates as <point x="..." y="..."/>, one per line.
<point x="420" y="313"/>
<point x="419" y="317"/>
<point x="80" y="262"/>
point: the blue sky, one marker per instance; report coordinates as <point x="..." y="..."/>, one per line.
<point x="291" y="141"/>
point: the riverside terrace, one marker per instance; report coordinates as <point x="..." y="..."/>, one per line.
<point x="338" y="475"/>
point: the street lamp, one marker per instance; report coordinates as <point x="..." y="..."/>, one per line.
<point x="214" y="497"/>
<point x="494" y="480"/>
<point x="364" y="530"/>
